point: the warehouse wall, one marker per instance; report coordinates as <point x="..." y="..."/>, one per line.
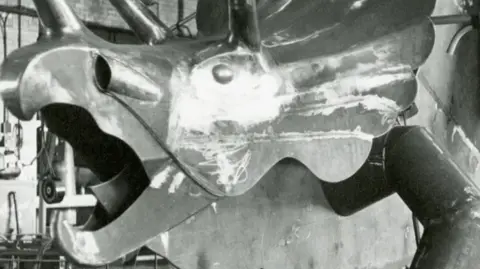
<point x="382" y="235"/>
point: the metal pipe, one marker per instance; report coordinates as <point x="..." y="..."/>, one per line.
<point x="366" y="187"/>
<point x="57" y="16"/>
<point x="451" y="19"/>
<point x="76" y="201"/>
<point x="19" y="25"/>
<point x="42" y="217"/>
<point x="416" y="229"/>
<point x="69" y="179"/>
<point x="183" y="21"/>
<point x="66" y="172"/>
<point x="425" y="176"/>
<point x="30" y="12"/>
<point x="452" y="47"/>
<point x="25" y="11"/>
<point x="145" y="24"/>
<point x="41" y="170"/>
<point x="439" y="194"/>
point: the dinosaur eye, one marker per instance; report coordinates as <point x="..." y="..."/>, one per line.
<point x="222" y="73"/>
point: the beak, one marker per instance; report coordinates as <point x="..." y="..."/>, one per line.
<point x="31" y="77"/>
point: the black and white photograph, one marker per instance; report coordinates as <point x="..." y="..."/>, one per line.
<point x="240" y="134"/>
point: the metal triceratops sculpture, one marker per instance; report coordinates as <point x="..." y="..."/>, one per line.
<point x="181" y="124"/>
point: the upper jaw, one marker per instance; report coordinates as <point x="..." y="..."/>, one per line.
<point x="15" y="88"/>
<point x="28" y="75"/>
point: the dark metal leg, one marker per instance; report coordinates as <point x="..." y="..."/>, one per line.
<point x="364" y="188"/>
<point x="444" y="199"/>
<point x="439" y="194"/>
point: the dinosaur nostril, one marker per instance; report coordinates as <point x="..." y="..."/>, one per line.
<point x="103" y="73"/>
<point x="113" y="77"/>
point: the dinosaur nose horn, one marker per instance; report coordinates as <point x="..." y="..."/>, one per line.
<point x="57" y="17"/>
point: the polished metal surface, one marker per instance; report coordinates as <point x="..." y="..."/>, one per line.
<point x="315" y="81"/>
<point x="278" y="224"/>
<point x="76" y="201"/>
<point x="144" y="23"/>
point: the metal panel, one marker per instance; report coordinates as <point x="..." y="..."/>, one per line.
<point x="285" y="222"/>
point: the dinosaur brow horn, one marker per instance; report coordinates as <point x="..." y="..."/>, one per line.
<point x="243" y="22"/>
<point x="141" y="20"/>
<point x="57" y="16"/>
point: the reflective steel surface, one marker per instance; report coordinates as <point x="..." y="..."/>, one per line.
<point x="315" y="81"/>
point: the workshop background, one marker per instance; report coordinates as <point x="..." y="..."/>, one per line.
<point x="380" y="236"/>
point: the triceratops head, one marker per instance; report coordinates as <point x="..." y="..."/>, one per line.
<point x="317" y="85"/>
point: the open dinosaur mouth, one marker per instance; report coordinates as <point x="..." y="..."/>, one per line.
<point x="108" y="157"/>
<point x="104" y="154"/>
